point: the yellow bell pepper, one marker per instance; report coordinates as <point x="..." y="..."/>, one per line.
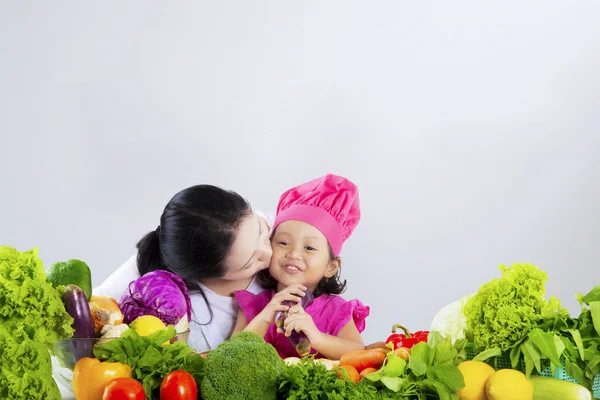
<point x="90" y="376"/>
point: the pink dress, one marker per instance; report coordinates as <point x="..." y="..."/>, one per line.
<point x="329" y="312"/>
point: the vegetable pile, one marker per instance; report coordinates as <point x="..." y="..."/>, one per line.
<point x="32" y="317"/>
<point x="150" y="359"/>
<point x="491" y="345"/>
<point x="512" y="325"/>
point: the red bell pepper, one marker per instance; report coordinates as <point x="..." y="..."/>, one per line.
<point x="406" y="339"/>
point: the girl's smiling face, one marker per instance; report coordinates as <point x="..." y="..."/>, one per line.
<point x="301" y="255"/>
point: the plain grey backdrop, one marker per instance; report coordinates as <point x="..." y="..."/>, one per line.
<point x="471" y="128"/>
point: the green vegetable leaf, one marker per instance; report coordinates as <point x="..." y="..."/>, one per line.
<point x="487" y="354"/>
<point x="151" y="359"/>
<point x="443" y="352"/>
<point x="595" y="311"/>
<point x="545" y="342"/>
<point x="392" y="383"/>
<point x="560" y="346"/>
<point x="515" y="356"/>
<point x="395" y="367"/>
<point x="573" y="370"/>
<point x="593" y="295"/>
<point x="419" y="358"/>
<point x="448" y="374"/>
<point x="442" y="391"/>
<point x="578" y="342"/>
<point x="532" y="357"/>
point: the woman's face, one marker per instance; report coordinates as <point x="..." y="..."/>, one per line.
<point x="251" y="250"/>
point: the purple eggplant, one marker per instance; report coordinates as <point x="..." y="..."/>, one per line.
<point x="298" y="339"/>
<point x="77" y="306"/>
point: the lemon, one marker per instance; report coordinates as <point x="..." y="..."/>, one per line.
<point x="509" y="384"/>
<point x="146" y="325"/>
<point x="476" y="375"/>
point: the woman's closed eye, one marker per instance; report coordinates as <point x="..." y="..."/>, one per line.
<point x="250" y="264"/>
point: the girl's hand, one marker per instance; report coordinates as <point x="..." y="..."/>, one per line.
<point x="300" y="321"/>
<point x="291" y="293"/>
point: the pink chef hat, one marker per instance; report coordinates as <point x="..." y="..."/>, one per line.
<point x="329" y="203"/>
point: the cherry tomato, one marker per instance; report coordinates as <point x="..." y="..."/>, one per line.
<point x="124" y="389"/>
<point x="178" y="385"/>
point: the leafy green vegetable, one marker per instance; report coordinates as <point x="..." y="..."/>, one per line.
<point x="595" y="311"/>
<point x="150" y="359"/>
<point x="431" y="371"/>
<point x="505" y="310"/>
<point x="311" y="380"/>
<point x="558" y="341"/>
<point x="32" y="318"/>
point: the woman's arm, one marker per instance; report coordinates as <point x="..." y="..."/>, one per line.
<point x="115" y="285"/>
<point x="240" y="324"/>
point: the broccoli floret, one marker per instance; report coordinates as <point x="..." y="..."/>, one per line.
<point x="243" y="367"/>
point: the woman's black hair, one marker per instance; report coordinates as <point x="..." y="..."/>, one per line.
<point x="333" y="285"/>
<point x="196" y="232"/>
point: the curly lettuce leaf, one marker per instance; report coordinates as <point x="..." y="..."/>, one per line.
<point x="506" y="309"/>
<point x="32" y="318"/>
<point x="29" y="306"/>
<point x="25" y="369"/>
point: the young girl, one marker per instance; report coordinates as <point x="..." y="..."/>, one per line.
<point x="313" y="220"/>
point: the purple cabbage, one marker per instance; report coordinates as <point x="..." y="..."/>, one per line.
<point x="159" y="293"/>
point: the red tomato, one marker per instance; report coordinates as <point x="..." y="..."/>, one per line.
<point x="124" y="389"/>
<point x="178" y="385"/>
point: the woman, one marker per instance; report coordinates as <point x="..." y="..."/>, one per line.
<point x="213" y="240"/>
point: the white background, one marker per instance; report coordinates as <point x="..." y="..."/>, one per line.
<point x="471" y="128"/>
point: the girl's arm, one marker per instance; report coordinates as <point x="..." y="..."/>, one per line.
<point x="332" y="347"/>
<point x="257" y="325"/>
<point x="260" y="324"/>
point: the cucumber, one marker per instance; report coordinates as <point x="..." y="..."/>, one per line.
<point x="545" y="388"/>
<point x="77" y="306"/>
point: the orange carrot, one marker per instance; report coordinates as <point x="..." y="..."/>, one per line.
<point x="367" y="371"/>
<point x="361" y="359"/>
<point x="351" y="372"/>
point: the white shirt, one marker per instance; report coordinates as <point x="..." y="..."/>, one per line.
<point x="203" y="335"/>
<point x="225" y="310"/>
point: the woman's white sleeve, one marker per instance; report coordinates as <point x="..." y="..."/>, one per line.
<point x="119" y="280"/>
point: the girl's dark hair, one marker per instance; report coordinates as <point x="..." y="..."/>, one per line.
<point x="197" y="229"/>
<point x="331" y="285"/>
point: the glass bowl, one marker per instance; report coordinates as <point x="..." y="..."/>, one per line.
<point x="66" y="353"/>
